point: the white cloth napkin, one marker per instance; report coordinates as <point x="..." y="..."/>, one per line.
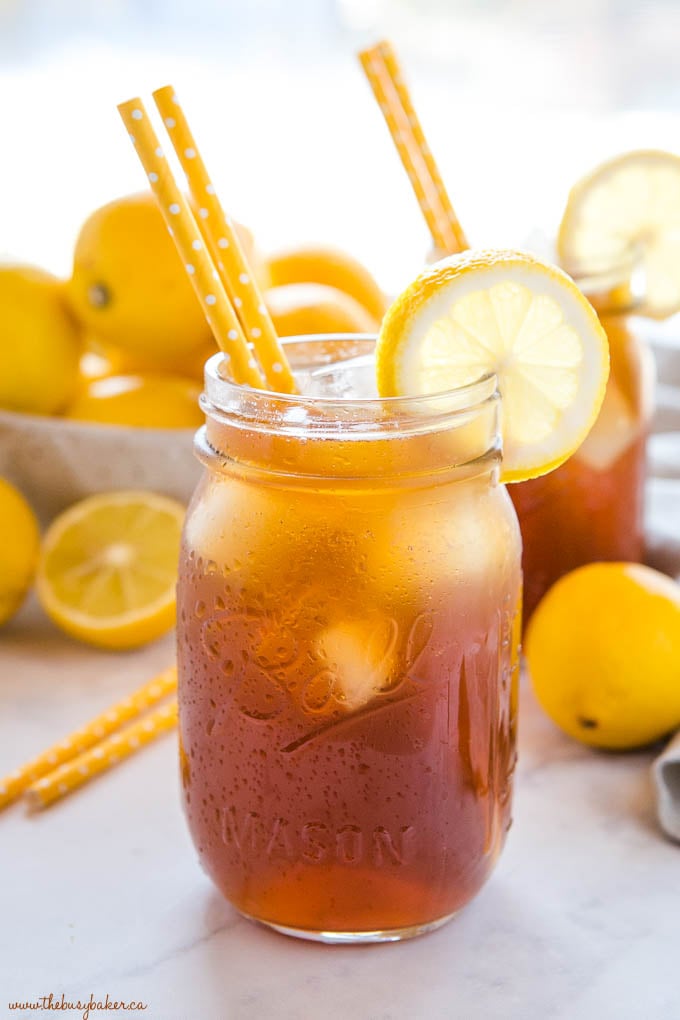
<point x="663" y="528"/>
<point x="666" y="774"/>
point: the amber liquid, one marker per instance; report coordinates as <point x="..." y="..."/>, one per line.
<point x="579" y="515"/>
<point x="591" y="508"/>
<point x="347" y="699"/>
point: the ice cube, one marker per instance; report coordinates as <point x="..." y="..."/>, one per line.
<point x="230" y="521"/>
<point x="614" y="431"/>
<point x="360" y="656"/>
<point x="352" y="379"/>
<point x="464" y="537"/>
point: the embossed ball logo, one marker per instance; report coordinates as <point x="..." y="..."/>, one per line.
<point x="328" y="669"/>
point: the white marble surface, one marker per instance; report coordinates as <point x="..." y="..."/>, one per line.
<point x="102" y="893"/>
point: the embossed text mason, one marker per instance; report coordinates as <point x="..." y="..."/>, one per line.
<point x="348" y="612"/>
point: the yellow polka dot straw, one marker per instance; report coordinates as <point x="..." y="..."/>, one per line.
<point x="103" y="756"/>
<point x="395" y="72"/>
<point x="225" y="246"/>
<point x="190" y="245"/>
<point x="385" y="78"/>
<point x="12" y="786"/>
<point x="412" y="160"/>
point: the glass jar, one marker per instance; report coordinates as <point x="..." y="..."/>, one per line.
<point x="591" y="508"/>
<point x="348" y="618"/>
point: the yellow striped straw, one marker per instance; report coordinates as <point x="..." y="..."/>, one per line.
<point x="414" y="154"/>
<point x="13" y="786"/>
<point x="396" y="74"/>
<point x="103" y="756"/>
<point x="190" y="245"/>
<point x="223" y="241"/>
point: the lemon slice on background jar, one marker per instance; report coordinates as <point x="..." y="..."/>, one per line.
<point x="108" y="568"/>
<point x="630" y="203"/>
<point x="507" y="313"/>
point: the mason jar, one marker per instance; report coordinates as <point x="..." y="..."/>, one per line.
<point x="348" y="619"/>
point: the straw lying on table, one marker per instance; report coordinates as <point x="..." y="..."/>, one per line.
<point x="72" y="774"/>
<point x="385" y="77"/>
<point x="86" y="752"/>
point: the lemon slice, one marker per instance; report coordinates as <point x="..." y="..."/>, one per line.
<point x="631" y="203"/>
<point x="108" y="568"/>
<point x="508" y="313"/>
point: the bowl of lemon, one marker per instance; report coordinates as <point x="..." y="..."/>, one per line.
<point x="100" y="374"/>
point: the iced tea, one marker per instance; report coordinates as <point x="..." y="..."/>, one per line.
<point x="347" y="621"/>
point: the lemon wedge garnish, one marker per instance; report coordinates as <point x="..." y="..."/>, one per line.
<point x="629" y="204"/>
<point x="507" y="313"/>
<point x="108" y="568"/>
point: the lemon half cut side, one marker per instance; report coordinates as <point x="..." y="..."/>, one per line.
<point x="108" y="568"/>
<point x="506" y="313"/>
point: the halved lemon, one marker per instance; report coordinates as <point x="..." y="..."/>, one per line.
<point x="108" y="568"/>
<point x="502" y="312"/>
<point x="630" y="203"/>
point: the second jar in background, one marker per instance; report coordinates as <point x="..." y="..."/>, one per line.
<point x="591" y="508"/>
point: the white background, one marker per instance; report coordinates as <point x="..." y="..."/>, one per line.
<point x="517" y="97"/>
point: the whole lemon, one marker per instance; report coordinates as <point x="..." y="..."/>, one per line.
<point x="332" y="267"/>
<point x="39" y="342"/>
<point x="146" y="401"/>
<point x="128" y="283"/>
<point x="19" y="545"/>
<point x="603" y="651"/>
<point x="102" y="358"/>
<point x="299" y="308"/>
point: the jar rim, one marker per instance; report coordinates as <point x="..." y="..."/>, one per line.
<point x="419" y="437"/>
<point x="225" y="397"/>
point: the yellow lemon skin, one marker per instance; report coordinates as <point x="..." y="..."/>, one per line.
<point x="331" y="267"/>
<point x="145" y="401"/>
<point x="303" y="308"/>
<point x="39" y="342"/>
<point x="93" y="365"/>
<point x="603" y="652"/>
<point x="19" y="545"/>
<point x="128" y="284"/>
<point x="101" y="359"/>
